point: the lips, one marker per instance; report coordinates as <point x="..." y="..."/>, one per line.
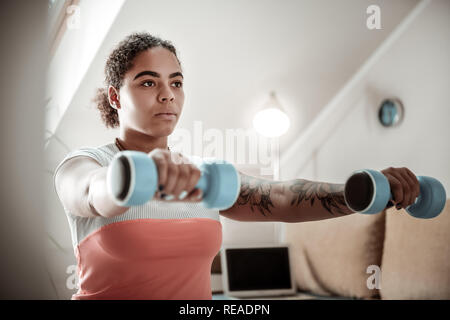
<point x="166" y="116"/>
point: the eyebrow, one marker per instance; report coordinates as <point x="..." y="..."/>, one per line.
<point x="156" y="74"/>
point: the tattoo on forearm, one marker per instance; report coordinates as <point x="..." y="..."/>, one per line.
<point x="256" y="194"/>
<point x="259" y="194"/>
<point x="331" y="196"/>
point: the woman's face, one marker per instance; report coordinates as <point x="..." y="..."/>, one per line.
<point x="152" y="95"/>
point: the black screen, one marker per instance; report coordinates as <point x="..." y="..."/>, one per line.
<point x="258" y="268"/>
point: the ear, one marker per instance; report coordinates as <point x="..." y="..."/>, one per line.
<point x="113" y="97"/>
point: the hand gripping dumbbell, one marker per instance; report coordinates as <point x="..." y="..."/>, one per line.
<point x="368" y="191"/>
<point x="132" y="180"/>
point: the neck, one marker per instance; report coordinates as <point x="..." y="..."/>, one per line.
<point x="141" y="142"/>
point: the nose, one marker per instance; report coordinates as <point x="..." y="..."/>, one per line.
<point x="166" y="95"/>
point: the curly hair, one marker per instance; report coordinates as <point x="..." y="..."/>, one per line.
<point x="118" y="63"/>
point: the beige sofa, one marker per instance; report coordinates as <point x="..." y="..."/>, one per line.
<point x="339" y="257"/>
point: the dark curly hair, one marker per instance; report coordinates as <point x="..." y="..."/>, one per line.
<point x="118" y="63"/>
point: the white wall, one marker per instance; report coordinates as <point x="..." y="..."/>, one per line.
<point x="22" y="62"/>
<point x="416" y="69"/>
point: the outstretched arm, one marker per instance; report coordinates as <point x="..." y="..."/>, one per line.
<point x="287" y="201"/>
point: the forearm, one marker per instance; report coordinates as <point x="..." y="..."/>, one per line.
<point x="287" y="201"/>
<point x="310" y="201"/>
<point x="98" y="198"/>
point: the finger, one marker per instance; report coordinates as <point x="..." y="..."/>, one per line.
<point x="404" y="187"/>
<point x="172" y="177"/>
<point x="161" y="163"/>
<point x="409" y="196"/>
<point x="182" y="179"/>
<point x="416" y="183"/>
<point x="396" y="188"/>
<point x="177" y="158"/>
<point x="194" y="176"/>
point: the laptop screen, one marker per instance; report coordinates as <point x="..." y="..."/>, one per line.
<point x="258" y="268"/>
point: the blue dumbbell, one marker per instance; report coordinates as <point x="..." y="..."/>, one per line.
<point x="368" y="191"/>
<point x="132" y="180"/>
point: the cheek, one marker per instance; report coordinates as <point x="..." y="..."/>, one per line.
<point x="181" y="99"/>
<point x="142" y="101"/>
<point x="133" y="98"/>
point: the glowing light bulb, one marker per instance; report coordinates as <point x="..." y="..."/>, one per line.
<point x="271" y="122"/>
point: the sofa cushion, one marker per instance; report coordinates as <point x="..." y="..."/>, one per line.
<point x="416" y="257"/>
<point x="331" y="257"/>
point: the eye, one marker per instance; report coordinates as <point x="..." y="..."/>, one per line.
<point x="148" y="81"/>
<point x="179" y="84"/>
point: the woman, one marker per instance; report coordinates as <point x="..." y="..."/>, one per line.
<point x="164" y="249"/>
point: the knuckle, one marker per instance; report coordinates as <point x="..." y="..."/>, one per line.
<point x="158" y="152"/>
<point x="160" y="162"/>
<point x="177" y="158"/>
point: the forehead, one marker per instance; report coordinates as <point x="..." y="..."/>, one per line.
<point x="157" y="59"/>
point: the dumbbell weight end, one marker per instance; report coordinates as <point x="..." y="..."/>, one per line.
<point x="132" y="178"/>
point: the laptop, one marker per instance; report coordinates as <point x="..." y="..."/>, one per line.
<point x="258" y="272"/>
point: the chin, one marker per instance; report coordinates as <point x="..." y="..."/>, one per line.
<point x="161" y="132"/>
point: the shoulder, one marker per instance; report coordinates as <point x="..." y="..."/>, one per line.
<point x="101" y="154"/>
